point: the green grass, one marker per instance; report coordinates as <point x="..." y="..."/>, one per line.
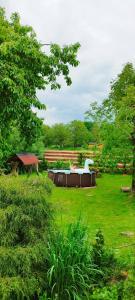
<point x="104" y="207"/>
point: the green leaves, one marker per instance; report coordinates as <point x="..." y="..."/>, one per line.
<point x="76" y="266"/>
<point x="24" y="68"/>
<point x="25" y="217"/>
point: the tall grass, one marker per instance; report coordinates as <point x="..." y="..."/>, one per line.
<point x="72" y="271"/>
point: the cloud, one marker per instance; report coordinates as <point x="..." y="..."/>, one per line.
<point x="105" y="30"/>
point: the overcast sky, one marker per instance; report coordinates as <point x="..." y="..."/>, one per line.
<point x="106" y="32"/>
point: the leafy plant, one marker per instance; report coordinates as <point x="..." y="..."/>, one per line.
<point x="81" y="159"/>
<point x="24" y="68"/>
<point x="105" y="293"/>
<point x="103" y="258"/>
<point x="25" y="219"/>
<point x="43" y="164"/>
<point x="73" y="270"/>
<point x="59" y="164"/>
<point x="109" y="163"/>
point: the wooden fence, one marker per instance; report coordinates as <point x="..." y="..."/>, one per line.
<point x="65" y="155"/>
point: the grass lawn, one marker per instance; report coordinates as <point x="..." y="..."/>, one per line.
<point x="104" y="207"/>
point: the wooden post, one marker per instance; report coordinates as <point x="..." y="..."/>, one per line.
<point x="14" y="170"/>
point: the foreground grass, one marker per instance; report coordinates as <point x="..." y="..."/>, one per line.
<point x="104" y="207"/>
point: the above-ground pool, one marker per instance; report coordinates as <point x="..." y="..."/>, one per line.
<point x="72" y="179"/>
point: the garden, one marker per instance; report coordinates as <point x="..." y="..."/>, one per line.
<point x="59" y="243"/>
<point x="66" y="243"/>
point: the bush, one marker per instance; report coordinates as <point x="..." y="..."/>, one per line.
<point x="81" y="159"/>
<point x="43" y="165"/>
<point x="106" y="293"/>
<point x="129" y="289"/>
<point x="73" y="270"/>
<point x="25" y="219"/>
<point x="59" y="165"/>
<point x="120" y="290"/>
<point x="103" y="258"/>
<point x="109" y="164"/>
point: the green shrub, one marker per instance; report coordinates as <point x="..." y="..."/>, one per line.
<point x="103" y="258"/>
<point x="73" y="271"/>
<point x="108" y="163"/>
<point x="118" y="291"/>
<point x="43" y="165"/>
<point x="105" y="293"/>
<point x="129" y="289"/>
<point x="81" y="159"/>
<point x="25" y="219"/>
<point x="59" y="165"/>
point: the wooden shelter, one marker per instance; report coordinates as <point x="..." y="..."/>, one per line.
<point x="23" y="161"/>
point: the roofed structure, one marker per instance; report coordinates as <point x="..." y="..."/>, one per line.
<point x="28" y="158"/>
<point x="23" y="159"/>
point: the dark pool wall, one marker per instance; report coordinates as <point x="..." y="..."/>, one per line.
<point x="73" y="179"/>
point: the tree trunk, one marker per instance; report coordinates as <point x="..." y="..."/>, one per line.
<point x="133" y="172"/>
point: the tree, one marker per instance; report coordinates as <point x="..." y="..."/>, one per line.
<point x="121" y="101"/>
<point x="119" y="109"/>
<point x="24" y="68"/>
<point x="12" y="144"/>
<point x="79" y="133"/>
<point x="60" y="135"/>
<point x="47" y="135"/>
<point x="95" y="117"/>
<point x="88" y="125"/>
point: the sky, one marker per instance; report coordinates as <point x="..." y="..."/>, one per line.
<point x="106" y="31"/>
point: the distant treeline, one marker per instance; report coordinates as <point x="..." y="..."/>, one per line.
<point x="74" y="135"/>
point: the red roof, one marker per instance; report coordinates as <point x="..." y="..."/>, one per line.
<point x="28" y="159"/>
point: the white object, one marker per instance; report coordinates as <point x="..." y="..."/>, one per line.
<point x="88" y="162"/>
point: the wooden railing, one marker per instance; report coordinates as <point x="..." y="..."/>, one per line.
<point x="65" y="155"/>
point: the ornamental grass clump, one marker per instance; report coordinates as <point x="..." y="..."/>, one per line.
<point x="25" y="219"/>
<point x="73" y="271"/>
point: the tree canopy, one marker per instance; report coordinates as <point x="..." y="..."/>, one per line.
<point x="119" y="111"/>
<point x="122" y="101"/>
<point x="79" y="133"/>
<point x="24" y="69"/>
